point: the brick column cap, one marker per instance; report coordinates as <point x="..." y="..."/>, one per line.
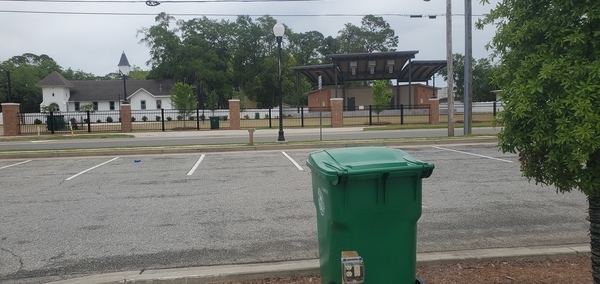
<point x="234" y="100"/>
<point x="337" y="99"/>
<point x="10" y="104"/>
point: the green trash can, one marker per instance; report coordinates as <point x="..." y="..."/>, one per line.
<point x="56" y="123"/>
<point x="214" y="122"/>
<point x="256" y="115"/>
<point x="368" y="201"/>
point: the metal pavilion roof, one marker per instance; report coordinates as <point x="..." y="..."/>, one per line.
<point x="395" y="65"/>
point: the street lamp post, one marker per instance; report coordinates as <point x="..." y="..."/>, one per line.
<point x="278" y="30"/>
<point x="124" y="71"/>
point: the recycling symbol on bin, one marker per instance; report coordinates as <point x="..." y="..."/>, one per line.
<point x="321" y="202"/>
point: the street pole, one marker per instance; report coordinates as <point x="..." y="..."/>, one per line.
<point x="468" y="67"/>
<point x="278" y="30"/>
<point x="450" y="68"/>
<point x="9" y="92"/>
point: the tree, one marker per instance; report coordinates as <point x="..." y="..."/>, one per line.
<point x="183" y="99"/>
<point x="549" y="70"/>
<point x="381" y="97"/>
<point x="482" y="78"/>
<point x="374" y="34"/>
<point x="86" y="108"/>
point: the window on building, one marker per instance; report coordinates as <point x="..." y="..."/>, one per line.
<point x="143" y="104"/>
<point x="76" y="106"/>
<point x="111" y="105"/>
<point x="158" y="104"/>
<point x="95" y="105"/>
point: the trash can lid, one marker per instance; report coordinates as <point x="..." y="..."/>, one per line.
<point x="334" y="163"/>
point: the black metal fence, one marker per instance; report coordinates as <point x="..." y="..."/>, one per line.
<point x="66" y="122"/>
<point x="198" y="119"/>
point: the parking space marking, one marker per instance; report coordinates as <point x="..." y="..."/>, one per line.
<point x="292" y="160"/>
<point x="482" y="156"/>
<point x="191" y="172"/>
<point x="15" y="164"/>
<point x="96" y="166"/>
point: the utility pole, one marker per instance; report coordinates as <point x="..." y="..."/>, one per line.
<point x="450" y="68"/>
<point x="468" y="67"/>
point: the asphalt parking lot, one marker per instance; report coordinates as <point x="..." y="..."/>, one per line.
<point x="67" y="216"/>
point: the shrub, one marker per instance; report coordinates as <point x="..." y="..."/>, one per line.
<point x="109" y="119"/>
<point x="37" y="121"/>
<point x="192" y="118"/>
<point x="179" y="117"/>
<point x="202" y="117"/>
<point x="85" y="120"/>
<point x="98" y="121"/>
<point x="246" y="116"/>
<point x="169" y="118"/>
<point x="144" y="118"/>
<point x="266" y="116"/>
<point x="158" y="118"/>
<point x="133" y="119"/>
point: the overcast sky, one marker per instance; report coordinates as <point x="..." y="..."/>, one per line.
<point x="93" y="43"/>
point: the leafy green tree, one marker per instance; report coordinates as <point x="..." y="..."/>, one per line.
<point x="549" y="55"/>
<point x="212" y="101"/>
<point x="25" y="71"/>
<point x="374" y="34"/>
<point x="381" y="97"/>
<point x="183" y="99"/>
<point x="86" y="108"/>
<point x="483" y="85"/>
<point x="78" y="75"/>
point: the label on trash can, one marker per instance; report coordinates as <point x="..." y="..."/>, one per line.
<point x="321" y="200"/>
<point x="353" y="268"/>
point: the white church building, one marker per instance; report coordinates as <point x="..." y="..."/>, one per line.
<point x="68" y="95"/>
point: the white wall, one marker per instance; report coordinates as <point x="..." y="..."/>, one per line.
<point x="136" y="100"/>
<point x="57" y="95"/>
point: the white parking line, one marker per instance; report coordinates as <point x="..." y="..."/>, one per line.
<point x="191" y="172"/>
<point x="292" y="160"/>
<point x="482" y="156"/>
<point x="96" y="166"/>
<point x="15" y="164"/>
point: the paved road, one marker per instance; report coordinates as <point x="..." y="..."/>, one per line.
<point x="77" y="216"/>
<point x="146" y="139"/>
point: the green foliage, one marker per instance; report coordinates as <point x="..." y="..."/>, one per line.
<point x="86" y="107"/>
<point x="381" y="96"/>
<point x="212" y="101"/>
<point x="169" y="118"/>
<point x="158" y="118"/>
<point x="98" y="121"/>
<point x="483" y="86"/>
<point x="51" y="108"/>
<point x="144" y="118"/>
<point x="183" y="99"/>
<point x="132" y="119"/>
<point x="37" y="121"/>
<point x="550" y="77"/>
<point x="109" y="119"/>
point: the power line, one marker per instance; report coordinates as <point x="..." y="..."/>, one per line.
<point x="162" y="2"/>
<point x="223" y="15"/>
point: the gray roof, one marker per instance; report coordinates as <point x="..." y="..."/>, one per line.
<point x="396" y="65"/>
<point x="54" y="80"/>
<point x="109" y="90"/>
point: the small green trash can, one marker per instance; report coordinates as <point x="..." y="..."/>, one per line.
<point x="56" y="122"/>
<point x="256" y="115"/>
<point x="214" y="122"/>
<point x="368" y="201"/>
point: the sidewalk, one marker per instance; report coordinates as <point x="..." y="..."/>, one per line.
<point x="244" y="272"/>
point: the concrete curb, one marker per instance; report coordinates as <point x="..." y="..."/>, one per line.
<point x="245" y="272"/>
<point x="36" y="154"/>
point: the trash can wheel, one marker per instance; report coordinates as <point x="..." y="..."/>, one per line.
<point x="420" y="281"/>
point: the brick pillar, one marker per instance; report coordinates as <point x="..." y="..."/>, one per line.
<point x="10" y="115"/>
<point x="234" y="114"/>
<point x="434" y="111"/>
<point x="337" y="112"/>
<point x="126" y="118"/>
